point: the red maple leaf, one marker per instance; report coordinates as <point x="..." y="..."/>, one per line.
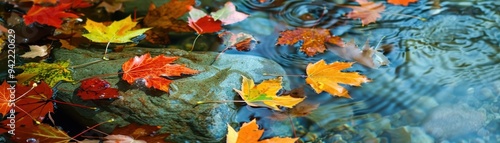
<point x="96" y="88"/>
<point x="51" y="16"/>
<point x="77" y="3"/>
<point x="5" y="98"/>
<point x="313" y="39"/>
<point x="368" y="12"/>
<point x="34" y="103"/>
<point x="153" y="70"/>
<point x="401" y="2"/>
<point x="206" y="24"/>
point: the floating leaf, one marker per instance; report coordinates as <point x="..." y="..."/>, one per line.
<point x="49" y="72"/>
<point x="264" y="94"/>
<point x="250" y="133"/>
<point x="51" y="16"/>
<point x="203" y="23"/>
<point x="118" y="32"/>
<point x="401" y="2"/>
<point x="313" y="39"/>
<point x="240" y="41"/>
<point x="96" y="88"/>
<point x="367" y="56"/>
<point x="368" y="12"/>
<point x="36" y="51"/>
<point x="153" y="70"/>
<point x="326" y="77"/>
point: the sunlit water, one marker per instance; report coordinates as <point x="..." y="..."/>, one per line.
<point x="443" y="71"/>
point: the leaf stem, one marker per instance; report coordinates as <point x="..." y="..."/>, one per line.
<point x="85" y="64"/>
<point x="106" y="51"/>
<point x="194" y="42"/>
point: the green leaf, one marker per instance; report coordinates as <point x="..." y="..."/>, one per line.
<point x="51" y="73"/>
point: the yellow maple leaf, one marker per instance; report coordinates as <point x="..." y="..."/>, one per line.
<point x="325" y="77"/>
<point x="118" y="32"/>
<point x="250" y="133"/>
<point x="264" y="94"/>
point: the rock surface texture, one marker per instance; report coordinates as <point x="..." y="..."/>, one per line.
<point x="177" y="112"/>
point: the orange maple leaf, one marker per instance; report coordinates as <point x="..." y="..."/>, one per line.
<point x="153" y="70"/>
<point x="51" y="16"/>
<point x="368" y="12"/>
<point x="325" y="77"/>
<point x="313" y="39"/>
<point x="250" y="133"/>
<point x="401" y="2"/>
<point x="5" y="93"/>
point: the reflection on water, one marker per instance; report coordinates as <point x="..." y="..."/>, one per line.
<point x="442" y="69"/>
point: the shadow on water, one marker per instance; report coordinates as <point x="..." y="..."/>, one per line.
<point x="450" y="60"/>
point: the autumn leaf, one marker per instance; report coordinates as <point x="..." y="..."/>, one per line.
<point x="78" y="3"/>
<point x="367" y="56"/>
<point x="42" y="133"/>
<point x="49" y="72"/>
<point x="96" y="88"/>
<point x="264" y="94"/>
<point x="45" y="1"/>
<point x="113" y="6"/>
<point x="36" y="51"/>
<point x="300" y="110"/>
<point x="141" y="132"/>
<point x="228" y="14"/>
<point x="153" y="70"/>
<point x="241" y="41"/>
<point x="51" y="16"/>
<point x="118" y="32"/>
<point x="401" y="2"/>
<point x="326" y="77"/>
<point x="35" y="103"/>
<point x="313" y="39"/>
<point x="203" y="23"/>
<point x="368" y="12"/>
<point x="5" y="98"/>
<point x="121" y="139"/>
<point x="250" y="133"/>
<point x="166" y="16"/>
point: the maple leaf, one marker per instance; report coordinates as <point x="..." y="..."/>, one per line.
<point x="5" y="99"/>
<point x="78" y="3"/>
<point x="113" y="6"/>
<point x="367" y="56"/>
<point x="51" y="16"/>
<point x="240" y="41"/>
<point x="36" y="51"/>
<point x="326" y="77"/>
<point x="250" y="133"/>
<point x="45" y="1"/>
<point x="401" y="2"/>
<point x="228" y="14"/>
<point x="49" y="72"/>
<point x="368" y="12"/>
<point x="264" y="94"/>
<point x="313" y="39"/>
<point x="96" y="88"/>
<point x="117" y="32"/>
<point x="203" y="23"/>
<point x="166" y="17"/>
<point x="141" y="132"/>
<point x="35" y="103"/>
<point x="42" y="133"/>
<point x="153" y="70"/>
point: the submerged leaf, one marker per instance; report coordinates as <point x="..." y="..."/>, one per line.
<point x="401" y="2"/>
<point x="228" y="14"/>
<point x="240" y="41"/>
<point x="313" y="39"/>
<point x="368" y="12"/>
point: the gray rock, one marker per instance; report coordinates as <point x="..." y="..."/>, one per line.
<point x="176" y="112"/>
<point x="452" y="121"/>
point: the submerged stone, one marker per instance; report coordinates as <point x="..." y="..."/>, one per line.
<point x="177" y="112"/>
<point x="453" y="121"/>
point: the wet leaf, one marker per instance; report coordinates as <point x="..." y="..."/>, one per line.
<point x="326" y="77"/>
<point x="142" y="132"/>
<point x="66" y="45"/>
<point x="368" y="12"/>
<point x="367" y="56"/>
<point x="153" y="70"/>
<point x="241" y="41"/>
<point x="166" y="17"/>
<point x="49" y="72"/>
<point x="401" y="2"/>
<point x="118" y="32"/>
<point x="264" y="94"/>
<point x="205" y="24"/>
<point x="51" y="16"/>
<point x="228" y="14"/>
<point x="250" y="133"/>
<point x="36" y="51"/>
<point x="42" y="133"/>
<point x="5" y="92"/>
<point x="78" y="3"/>
<point x="96" y="88"/>
<point x="112" y="6"/>
<point x="313" y="39"/>
<point x="35" y="103"/>
<point x="300" y="110"/>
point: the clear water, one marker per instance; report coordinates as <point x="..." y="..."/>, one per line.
<point x="442" y="85"/>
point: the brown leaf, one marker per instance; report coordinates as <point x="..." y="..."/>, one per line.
<point x="165" y="19"/>
<point x="368" y="12"/>
<point x="314" y="39"/>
